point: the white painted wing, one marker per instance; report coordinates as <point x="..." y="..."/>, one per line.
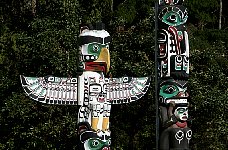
<point x="51" y="90"/>
<point x="126" y="89"/>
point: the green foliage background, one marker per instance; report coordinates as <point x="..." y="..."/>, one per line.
<point x="44" y="42"/>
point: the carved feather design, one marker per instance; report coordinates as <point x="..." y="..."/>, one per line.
<point x="51" y="90"/>
<point x="126" y="89"/>
<point x="56" y="90"/>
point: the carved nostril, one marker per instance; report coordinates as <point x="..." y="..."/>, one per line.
<point x="181" y="94"/>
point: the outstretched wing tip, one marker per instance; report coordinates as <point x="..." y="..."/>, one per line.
<point x="128" y="90"/>
<point x="61" y="91"/>
<point x="22" y="79"/>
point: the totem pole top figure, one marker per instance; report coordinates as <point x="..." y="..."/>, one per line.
<point x="173" y="42"/>
<point x="94" y="48"/>
<point x="90" y="89"/>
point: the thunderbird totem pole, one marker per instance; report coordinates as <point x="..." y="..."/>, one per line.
<point x="172" y="64"/>
<point x="91" y="89"/>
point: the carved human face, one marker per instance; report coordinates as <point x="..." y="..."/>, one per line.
<point x="181" y="113"/>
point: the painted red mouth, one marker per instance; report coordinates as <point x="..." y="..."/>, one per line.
<point x="185" y="117"/>
<point x="96" y="66"/>
<point x="101" y="99"/>
<point x="106" y="148"/>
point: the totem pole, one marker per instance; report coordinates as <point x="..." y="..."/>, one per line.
<point x="91" y="90"/>
<point x="172" y="64"/>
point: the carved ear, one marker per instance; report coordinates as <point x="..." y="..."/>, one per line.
<point x="83" y="28"/>
<point x="83" y="126"/>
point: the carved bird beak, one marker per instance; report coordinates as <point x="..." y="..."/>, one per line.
<point x="104" y="57"/>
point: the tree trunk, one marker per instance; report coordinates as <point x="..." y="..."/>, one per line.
<point x="220" y="15"/>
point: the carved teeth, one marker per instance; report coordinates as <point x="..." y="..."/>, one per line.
<point x="177" y="101"/>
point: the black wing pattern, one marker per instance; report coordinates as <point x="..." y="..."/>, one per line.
<point x="51" y="90"/>
<point x="126" y="89"/>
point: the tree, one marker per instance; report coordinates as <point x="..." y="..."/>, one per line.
<point x="203" y="13"/>
<point x="39" y="49"/>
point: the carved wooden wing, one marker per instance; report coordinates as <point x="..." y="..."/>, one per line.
<point x="126" y="89"/>
<point x="51" y="90"/>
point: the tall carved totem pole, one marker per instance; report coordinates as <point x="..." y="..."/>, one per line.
<point x="172" y="64"/>
<point x="91" y="90"/>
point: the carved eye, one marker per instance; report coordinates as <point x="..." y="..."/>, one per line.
<point x="179" y="59"/>
<point x="181" y="110"/>
<point x="186" y="59"/>
<point x="51" y="79"/>
<point x="95" y="143"/>
<point x="172" y="18"/>
<point x="96" y="48"/>
<point x="107" y="46"/>
<point x="170" y="90"/>
<point x="109" y="142"/>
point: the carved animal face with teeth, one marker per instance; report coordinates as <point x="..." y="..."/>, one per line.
<point x="93" y="140"/>
<point x="173" y="90"/>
